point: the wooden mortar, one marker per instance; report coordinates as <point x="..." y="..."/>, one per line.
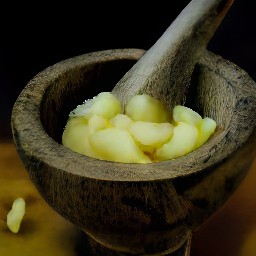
<point x="135" y="208"/>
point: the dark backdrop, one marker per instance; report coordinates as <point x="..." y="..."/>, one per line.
<point x="36" y="36"/>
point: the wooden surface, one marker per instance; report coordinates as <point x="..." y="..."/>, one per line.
<point x="230" y="232"/>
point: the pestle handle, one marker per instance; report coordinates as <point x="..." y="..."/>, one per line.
<point x="165" y="70"/>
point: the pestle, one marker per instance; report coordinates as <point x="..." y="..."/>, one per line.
<point x="165" y="70"/>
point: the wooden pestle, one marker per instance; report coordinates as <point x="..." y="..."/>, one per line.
<point x="165" y="70"/>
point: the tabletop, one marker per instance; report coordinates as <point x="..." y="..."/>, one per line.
<point x="229" y="232"/>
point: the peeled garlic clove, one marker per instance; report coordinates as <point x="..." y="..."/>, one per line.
<point x="75" y="136"/>
<point x="105" y="104"/>
<point x="115" y="144"/>
<point x="16" y="214"/>
<point x="146" y="108"/>
<point x="121" y="121"/>
<point x="206" y="127"/>
<point x="182" y="142"/>
<point x="185" y="114"/>
<point x="151" y="134"/>
<point x="98" y="123"/>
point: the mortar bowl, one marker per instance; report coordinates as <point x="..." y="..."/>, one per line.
<point x="135" y="209"/>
